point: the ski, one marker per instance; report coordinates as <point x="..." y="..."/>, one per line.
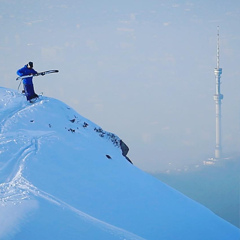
<point x="35" y="99"/>
<point x="37" y="74"/>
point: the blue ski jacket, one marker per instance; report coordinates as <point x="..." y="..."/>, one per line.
<point x="26" y="71"/>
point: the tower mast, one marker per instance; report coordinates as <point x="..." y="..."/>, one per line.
<point x="218" y="100"/>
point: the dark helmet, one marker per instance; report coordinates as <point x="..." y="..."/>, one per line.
<point x="30" y="65"/>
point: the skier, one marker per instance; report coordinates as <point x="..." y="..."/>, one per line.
<point x="27" y="82"/>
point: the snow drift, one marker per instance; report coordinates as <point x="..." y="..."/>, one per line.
<point x="63" y="177"/>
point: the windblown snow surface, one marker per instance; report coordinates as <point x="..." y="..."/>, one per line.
<point x="63" y="177"/>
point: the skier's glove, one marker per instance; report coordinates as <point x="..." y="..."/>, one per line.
<point x="43" y="74"/>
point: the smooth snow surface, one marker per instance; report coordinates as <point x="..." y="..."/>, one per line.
<point x="56" y="182"/>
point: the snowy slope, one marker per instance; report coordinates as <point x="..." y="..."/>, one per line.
<point x="63" y="177"/>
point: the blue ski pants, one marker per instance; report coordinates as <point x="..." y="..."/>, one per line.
<point x="29" y="91"/>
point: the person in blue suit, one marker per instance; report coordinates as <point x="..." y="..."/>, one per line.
<point x="27" y="82"/>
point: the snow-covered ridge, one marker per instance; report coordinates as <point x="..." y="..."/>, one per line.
<point x="63" y="177"/>
<point x="64" y="118"/>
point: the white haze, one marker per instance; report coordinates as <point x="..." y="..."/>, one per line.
<point x="141" y="69"/>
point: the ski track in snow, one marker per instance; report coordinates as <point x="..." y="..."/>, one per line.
<point x="20" y="189"/>
<point x="30" y="140"/>
<point x="123" y="234"/>
<point x="16" y="162"/>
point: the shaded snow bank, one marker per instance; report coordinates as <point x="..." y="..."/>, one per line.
<point x="62" y="179"/>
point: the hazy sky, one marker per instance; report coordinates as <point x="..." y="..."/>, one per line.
<point x="140" y="69"/>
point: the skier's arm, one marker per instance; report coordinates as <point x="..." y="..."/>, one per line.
<point x="34" y="72"/>
<point x="20" y="72"/>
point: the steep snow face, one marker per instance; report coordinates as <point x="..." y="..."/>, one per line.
<point x="63" y="177"/>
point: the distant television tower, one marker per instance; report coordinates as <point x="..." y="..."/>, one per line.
<point x="218" y="98"/>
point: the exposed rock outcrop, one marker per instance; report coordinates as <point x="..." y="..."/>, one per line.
<point x="125" y="150"/>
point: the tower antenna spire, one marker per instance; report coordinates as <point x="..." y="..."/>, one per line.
<point x="218" y="48"/>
